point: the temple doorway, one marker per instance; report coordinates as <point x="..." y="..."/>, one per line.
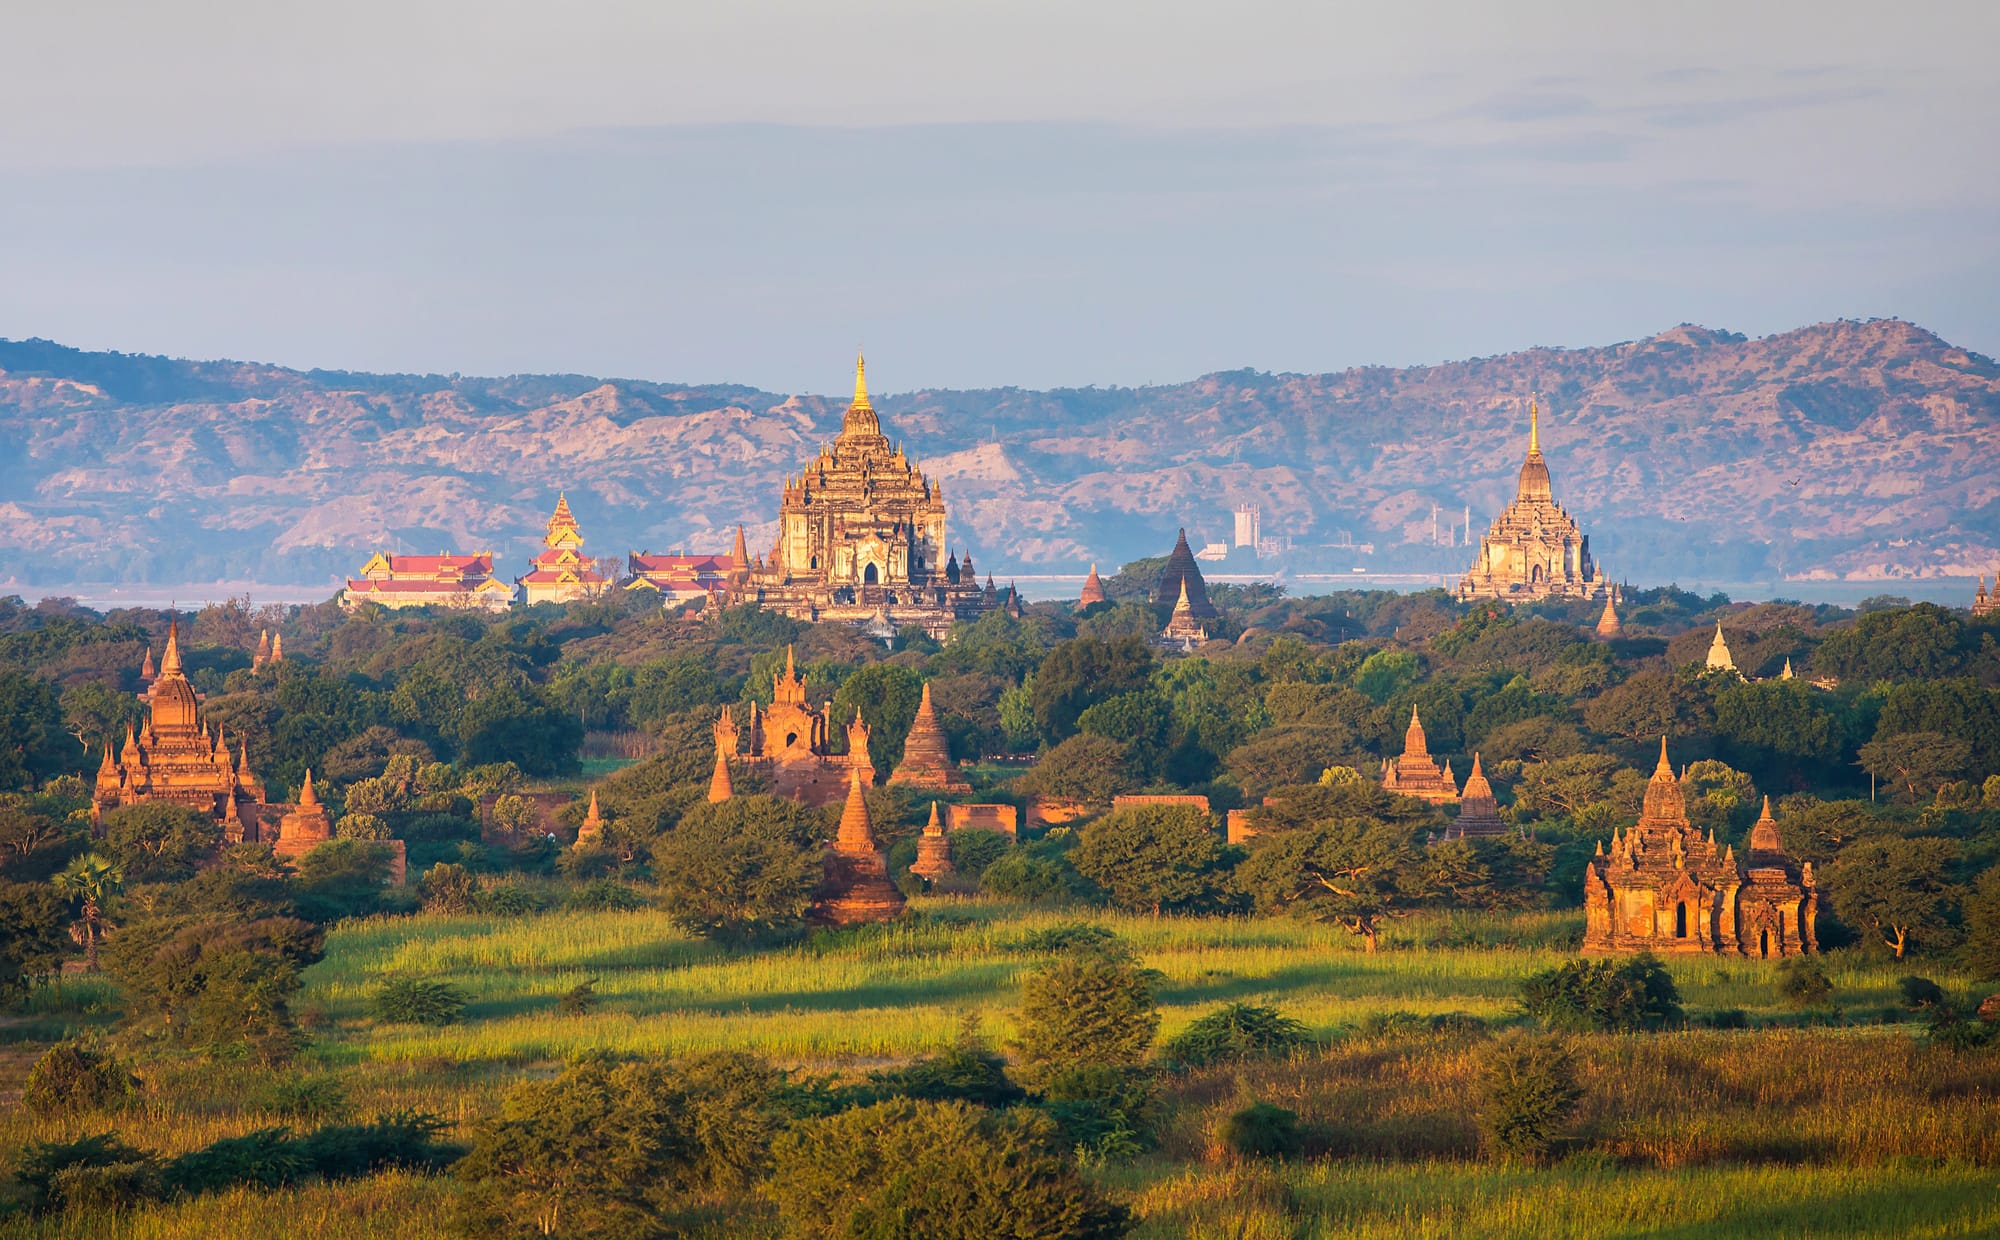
<point x="1680" y="921"/>
<point x="869" y="576"/>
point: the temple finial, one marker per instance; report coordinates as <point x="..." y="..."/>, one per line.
<point x="861" y="381"/>
<point x="1534" y="426"/>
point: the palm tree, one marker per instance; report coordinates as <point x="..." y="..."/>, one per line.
<point x="90" y="879"/>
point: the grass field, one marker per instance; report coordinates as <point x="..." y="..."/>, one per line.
<point x="1832" y="1122"/>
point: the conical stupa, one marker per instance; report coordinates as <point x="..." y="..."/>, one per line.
<point x="933" y="850"/>
<point x="856" y="886"/>
<point x="926" y="754"/>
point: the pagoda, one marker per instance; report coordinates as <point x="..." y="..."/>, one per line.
<point x="856" y="886"/>
<point x="176" y="759"/>
<point x="1608" y="624"/>
<point x="1778" y="907"/>
<point x="591" y="829"/>
<point x="926" y="755"/>
<point x="561" y="573"/>
<point x="1184" y="630"/>
<point x="792" y="742"/>
<point x="1183" y="576"/>
<point x="1663" y="886"/>
<point x="1093" y="591"/>
<point x="1535" y="549"/>
<point x="1984" y="604"/>
<point x="933" y="851"/>
<point x="1478" y="812"/>
<point x="305" y="828"/>
<point x="861" y="538"/>
<point x="720" y="786"/>
<point x="1719" y="659"/>
<point x="1415" y="773"/>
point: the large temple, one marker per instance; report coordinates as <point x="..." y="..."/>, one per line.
<point x="791" y="742"/>
<point x="177" y="760"/>
<point x="560" y="572"/>
<point x="861" y="538"/>
<point x="1664" y="886"/>
<point x="1535" y="548"/>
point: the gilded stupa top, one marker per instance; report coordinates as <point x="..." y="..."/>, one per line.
<point x="860" y="419"/>
<point x="1534" y="482"/>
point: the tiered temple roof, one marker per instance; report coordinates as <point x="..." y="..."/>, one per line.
<point x="856" y="886"/>
<point x="1182" y="574"/>
<point x="1665" y="886"/>
<point x="176" y="759"/>
<point x="861" y="538"/>
<point x="1184" y="630"/>
<point x="561" y="573"/>
<point x="1415" y="773"/>
<point x="1984" y="604"/>
<point x="1535" y="549"/>
<point x="927" y="755"/>
<point x="441" y="580"/>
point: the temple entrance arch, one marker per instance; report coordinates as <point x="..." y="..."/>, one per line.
<point x="1681" y="920"/>
<point x="869" y="575"/>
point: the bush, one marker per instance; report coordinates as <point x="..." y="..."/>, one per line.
<point x="308" y="1098"/>
<point x="70" y="1077"/>
<point x="968" y="1072"/>
<point x="1409" y="1026"/>
<point x="1920" y="993"/>
<point x="1531" y="1090"/>
<point x="413" y="1001"/>
<point x="940" y="1170"/>
<point x="1604" y="996"/>
<point x="1237" y="1031"/>
<point x="448" y="888"/>
<point x="973" y="849"/>
<point x="579" y="999"/>
<point x="1727" y="1018"/>
<point x="44" y="1170"/>
<point x="1086" y="1008"/>
<point x="1080" y="937"/>
<point x="507" y="900"/>
<point x="1803" y="983"/>
<point x="273" y="1157"/>
<point x="1262" y="1130"/>
<point x="604" y="895"/>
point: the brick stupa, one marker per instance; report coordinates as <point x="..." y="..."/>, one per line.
<point x="933" y="850"/>
<point x="926" y="755"/>
<point x="305" y="828"/>
<point x="1093" y="590"/>
<point x="1416" y="773"/>
<point x="1478" y="812"/>
<point x="856" y="887"/>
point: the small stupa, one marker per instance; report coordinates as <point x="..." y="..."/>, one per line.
<point x="1608" y="624"/>
<point x="1093" y="590"/>
<point x="306" y="827"/>
<point x="591" y="829"/>
<point x="1184" y="631"/>
<point x="926" y="754"/>
<point x="856" y="886"/>
<point x="1719" y="659"/>
<point x="719" y="786"/>
<point x="1478" y="812"/>
<point x="933" y="850"/>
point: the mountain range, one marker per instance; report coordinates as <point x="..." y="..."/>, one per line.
<point x="1843" y="450"/>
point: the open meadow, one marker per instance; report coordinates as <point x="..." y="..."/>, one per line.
<point x="1835" y="1120"/>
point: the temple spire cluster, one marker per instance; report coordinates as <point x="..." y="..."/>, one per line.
<point x="1535" y="549"/>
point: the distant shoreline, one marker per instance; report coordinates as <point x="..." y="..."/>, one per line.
<point x="1038" y="587"/>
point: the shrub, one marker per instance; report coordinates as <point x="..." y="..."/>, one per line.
<point x="1920" y="993"/>
<point x="618" y="1148"/>
<point x="1803" y="983"/>
<point x="1408" y="1026"/>
<point x="39" y="1169"/>
<point x="1531" y="1090"/>
<point x="579" y="999"/>
<point x="507" y="900"/>
<point x="1073" y="938"/>
<point x="973" y="849"/>
<point x="1262" y="1130"/>
<point x="1086" y="1008"/>
<point x="448" y="888"/>
<point x="1604" y="995"/>
<point x="1949" y="1030"/>
<point x="1727" y="1018"/>
<point x="70" y="1077"/>
<point x="1238" y="1031"/>
<point x="968" y="1072"/>
<point x="272" y="1157"/>
<point x="308" y="1098"/>
<point x="941" y="1170"/>
<point x="413" y="1001"/>
<point x="604" y="895"/>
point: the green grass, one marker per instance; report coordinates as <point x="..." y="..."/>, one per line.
<point x="898" y="991"/>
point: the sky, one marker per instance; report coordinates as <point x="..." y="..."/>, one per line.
<point x="984" y="193"/>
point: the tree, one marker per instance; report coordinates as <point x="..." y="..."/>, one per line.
<point x="619" y="1148"/>
<point x="1351" y="871"/>
<point x="741" y="869"/>
<point x="1151" y="857"/>
<point x="88" y="882"/>
<point x="1386" y="673"/>
<point x="940" y="1170"/>
<point x="1086" y="1007"/>
<point x="1079" y="673"/>
<point x="1530" y="1091"/>
<point x="1916" y="763"/>
<point x="33" y="742"/>
<point x="1085" y="768"/>
<point x="1982" y="926"/>
<point x="345" y="878"/>
<point x="155" y="842"/>
<point x="509" y="725"/>
<point x="886" y="697"/>
<point x="216" y="985"/>
<point x="1900" y="888"/>
<point x="1923" y="642"/>
<point x="1286" y="756"/>
<point x="32" y="936"/>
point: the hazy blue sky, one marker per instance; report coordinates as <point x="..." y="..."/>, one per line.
<point x="984" y="193"/>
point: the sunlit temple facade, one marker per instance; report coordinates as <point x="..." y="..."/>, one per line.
<point x="1535" y="549"/>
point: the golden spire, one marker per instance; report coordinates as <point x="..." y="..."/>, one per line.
<point x="1665" y="768"/>
<point x="861" y="381"/>
<point x="1534" y="427"/>
<point x="170" y="660"/>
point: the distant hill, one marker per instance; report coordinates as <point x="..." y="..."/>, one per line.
<point x="1855" y="450"/>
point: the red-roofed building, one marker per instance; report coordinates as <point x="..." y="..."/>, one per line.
<point x="561" y="572"/>
<point x="682" y="578"/>
<point x="441" y="580"/>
